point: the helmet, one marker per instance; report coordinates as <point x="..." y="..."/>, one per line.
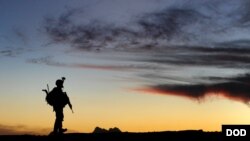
<point x="59" y="82"/>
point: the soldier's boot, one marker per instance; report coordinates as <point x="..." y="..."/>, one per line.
<point x="62" y="130"/>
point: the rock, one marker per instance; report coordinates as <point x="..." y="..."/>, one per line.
<point x="100" y="130"/>
<point x="114" y="130"/>
<point x="111" y="130"/>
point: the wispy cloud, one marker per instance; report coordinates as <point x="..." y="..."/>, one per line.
<point x="188" y="41"/>
<point x="200" y="23"/>
<point x="26" y="130"/>
<point x="22" y="129"/>
<point x="21" y="35"/>
<point x="50" y="61"/>
<point x="202" y="56"/>
<point x="11" y="52"/>
<point x="6" y="53"/>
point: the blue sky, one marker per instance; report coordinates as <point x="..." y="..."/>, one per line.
<point x="120" y="55"/>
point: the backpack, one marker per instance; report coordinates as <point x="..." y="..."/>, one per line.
<point x="54" y="99"/>
<point x="50" y="98"/>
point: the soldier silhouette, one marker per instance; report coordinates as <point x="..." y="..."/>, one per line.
<point x="58" y="100"/>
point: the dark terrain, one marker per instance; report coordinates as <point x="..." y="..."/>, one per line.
<point x="188" y="135"/>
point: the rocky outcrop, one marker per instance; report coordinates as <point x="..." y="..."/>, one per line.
<point x="110" y="130"/>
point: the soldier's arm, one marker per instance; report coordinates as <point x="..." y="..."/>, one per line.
<point x="69" y="103"/>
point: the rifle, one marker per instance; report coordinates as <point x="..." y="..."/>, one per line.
<point x="46" y="91"/>
<point x="69" y="103"/>
<point x="70" y="106"/>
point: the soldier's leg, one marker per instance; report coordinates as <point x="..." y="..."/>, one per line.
<point x="61" y="116"/>
<point x="57" y="121"/>
<point x="56" y="126"/>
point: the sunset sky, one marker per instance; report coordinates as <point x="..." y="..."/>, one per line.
<point x="144" y="65"/>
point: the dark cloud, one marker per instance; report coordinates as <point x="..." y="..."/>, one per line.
<point x="201" y="56"/>
<point x="245" y="16"/>
<point x="236" y="43"/>
<point x="189" y="41"/>
<point x="169" y="23"/>
<point x="202" y="23"/>
<point x="235" y="88"/>
<point x="87" y="36"/>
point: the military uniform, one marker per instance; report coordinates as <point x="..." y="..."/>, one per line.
<point x="58" y="99"/>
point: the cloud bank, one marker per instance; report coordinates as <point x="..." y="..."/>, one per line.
<point x="236" y="88"/>
<point x="189" y="23"/>
<point x="200" y="47"/>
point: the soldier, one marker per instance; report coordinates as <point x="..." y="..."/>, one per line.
<point x="58" y="99"/>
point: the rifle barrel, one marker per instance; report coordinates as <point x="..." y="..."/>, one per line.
<point x="48" y="87"/>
